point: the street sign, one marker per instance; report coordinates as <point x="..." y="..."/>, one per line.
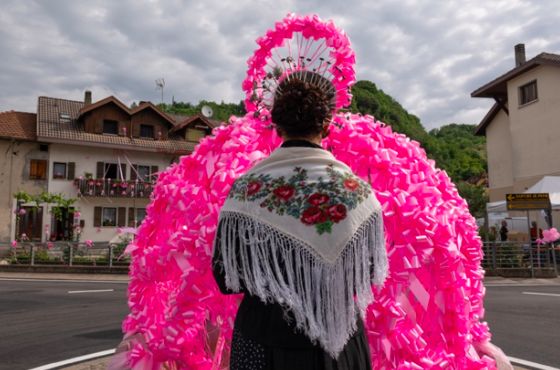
<point x="527" y="201"/>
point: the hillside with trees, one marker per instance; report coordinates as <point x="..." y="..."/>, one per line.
<point x="454" y="147"/>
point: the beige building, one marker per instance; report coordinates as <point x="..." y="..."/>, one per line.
<point x="104" y="154"/>
<point x="23" y="163"/>
<point x="522" y="129"/>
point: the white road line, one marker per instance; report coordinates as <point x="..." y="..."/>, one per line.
<point x="90" y="291"/>
<point x="67" y="281"/>
<point x="538" y="293"/>
<point x="74" y="360"/>
<point x="534" y="365"/>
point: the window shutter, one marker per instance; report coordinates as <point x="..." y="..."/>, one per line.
<point x="42" y="170"/>
<point x="71" y="170"/>
<point x="33" y="169"/>
<point x="97" y="216"/>
<point x="153" y="172"/>
<point x="123" y="171"/>
<point x="121" y="216"/>
<point x="135" y="130"/>
<point x="99" y="126"/>
<point x="131" y="217"/>
<point x="100" y="170"/>
<point x="133" y="171"/>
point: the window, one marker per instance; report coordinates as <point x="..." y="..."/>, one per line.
<point x="140" y="215"/>
<point x="109" y="217"/>
<point x="147" y="131"/>
<point x="30" y="222"/>
<point x="528" y="93"/>
<point x="110" y="127"/>
<point x="65" y="117"/>
<point x="38" y="169"/>
<point x="59" y="170"/>
<point x="111" y="171"/>
<point x="143" y="173"/>
<point x="194" y="134"/>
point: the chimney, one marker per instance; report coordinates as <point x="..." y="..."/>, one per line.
<point x="519" y="54"/>
<point x="87" y="97"/>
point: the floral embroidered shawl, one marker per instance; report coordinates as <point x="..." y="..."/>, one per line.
<point x="302" y="230"/>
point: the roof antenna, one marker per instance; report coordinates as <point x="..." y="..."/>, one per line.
<point x="160" y="84"/>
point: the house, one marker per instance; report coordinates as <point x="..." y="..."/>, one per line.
<point x="522" y="128"/>
<point x="23" y="168"/>
<point x="107" y="156"/>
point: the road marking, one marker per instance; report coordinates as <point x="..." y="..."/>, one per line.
<point x="537" y="293"/>
<point x="90" y="291"/>
<point x="67" y="281"/>
<point x="74" y="360"/>
<point x="534" y="365"/>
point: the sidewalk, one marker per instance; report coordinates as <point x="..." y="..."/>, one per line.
<point x="490" y="280"/>
<point x="501" y="281"/>
<point x="63" y="276"/>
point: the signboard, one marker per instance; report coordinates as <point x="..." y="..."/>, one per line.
<point x="527" y="201"/>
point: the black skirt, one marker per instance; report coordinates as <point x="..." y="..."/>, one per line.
<point x="265" y="338"/>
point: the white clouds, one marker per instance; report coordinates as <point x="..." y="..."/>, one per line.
<point x="429" y="55"/>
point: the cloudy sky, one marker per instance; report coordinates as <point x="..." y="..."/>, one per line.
<point x="427" y="54"/>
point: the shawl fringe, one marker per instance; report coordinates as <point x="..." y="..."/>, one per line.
<point x="323" y="297"/>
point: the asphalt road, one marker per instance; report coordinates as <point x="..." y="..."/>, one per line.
<point x="525" y="326"/>
<point x="41" y="323"/>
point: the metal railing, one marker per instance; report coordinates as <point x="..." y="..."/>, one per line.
<point x="113" y="188"/>
<point x="503" y="258"/>
<point x="64" y="253"/>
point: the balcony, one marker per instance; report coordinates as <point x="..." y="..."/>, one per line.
<point x="113" y="188"/>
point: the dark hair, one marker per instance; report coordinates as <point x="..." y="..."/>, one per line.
<point x="303" y="101"/>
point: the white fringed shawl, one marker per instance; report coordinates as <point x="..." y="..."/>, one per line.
<point x="301" y="230"/>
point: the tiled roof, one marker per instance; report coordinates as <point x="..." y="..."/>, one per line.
<point x="18" y="125"/>
<point x="185" y="121"/>
<point x="118" y="103"/>
<point x="480" y="130"/>
<point x="97" y="104"/>
<point x="146" y="105"/>
<point x="51" y="127"/>
<point x="498" y="86"/>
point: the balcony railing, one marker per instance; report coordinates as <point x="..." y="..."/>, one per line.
<point x="113" y="188"/>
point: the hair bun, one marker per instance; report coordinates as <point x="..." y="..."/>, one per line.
<point x="304" y="100"/>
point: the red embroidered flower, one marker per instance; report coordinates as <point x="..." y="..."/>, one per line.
<point x="337" y="212"/>
<point x="284" y="192"/>
<point x="317" y="199"/>
<point x="351" y="184"/>
<point x="313" y="215"/>
<point x="253" y="187"/>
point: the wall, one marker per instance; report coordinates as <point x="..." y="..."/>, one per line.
<point x="499" y="151"/>
<point x="148" y="116"/>
<point x="535" y="127"/>
<point x="93" y="121"/>
<point x="86" y="158"/>
<point x="14" y="176"/>
<point x="104" y="233"/>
